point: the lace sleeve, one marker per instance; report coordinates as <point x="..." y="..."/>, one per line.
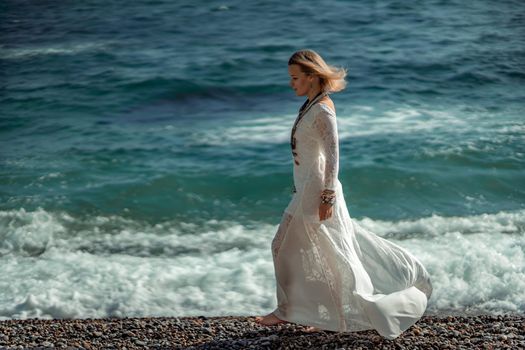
<point x="325" y="125"/>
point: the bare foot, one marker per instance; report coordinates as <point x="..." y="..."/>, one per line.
<point x="269" y="320"/>
<point x="311" y="329"/>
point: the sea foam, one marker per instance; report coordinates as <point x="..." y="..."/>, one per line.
<point x="58" y="266"/>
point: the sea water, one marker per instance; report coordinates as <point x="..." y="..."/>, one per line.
<point x="145" y="158"/>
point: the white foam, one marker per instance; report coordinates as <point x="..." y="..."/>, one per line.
<point x="58" y="49"/>
<point x="490" y="139"/>
<point x="50" y="176"/>
<point x="265" y="130"/>
<point x="400" y="120"/>
<point x="356" y="122"/>
<point x="27" y="233"/>
<point x="113" y="266"/>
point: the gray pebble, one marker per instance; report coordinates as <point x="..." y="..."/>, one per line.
<point x="452" y="332"/>
<point x="140" y="342"/>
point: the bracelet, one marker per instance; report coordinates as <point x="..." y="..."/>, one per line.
<point x="328" y="197"/>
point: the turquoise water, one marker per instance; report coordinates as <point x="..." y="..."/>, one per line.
<point x="152" y="136"/>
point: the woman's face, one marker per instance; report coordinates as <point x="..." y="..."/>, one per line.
<point x="299" y="81"/>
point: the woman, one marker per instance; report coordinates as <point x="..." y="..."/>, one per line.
<point x="331" y="273"/>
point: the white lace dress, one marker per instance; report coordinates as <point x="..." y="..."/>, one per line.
<point x="334" y="274"/>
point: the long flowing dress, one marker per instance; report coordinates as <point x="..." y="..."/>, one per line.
<point x="334" y="274"/>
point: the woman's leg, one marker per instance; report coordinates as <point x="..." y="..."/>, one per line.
<point x="271" y="319"/>
<point x="281" y="233"/>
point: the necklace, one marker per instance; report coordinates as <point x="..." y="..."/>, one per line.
<point x="302" y="111"/>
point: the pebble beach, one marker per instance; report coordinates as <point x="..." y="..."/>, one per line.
<point x="235" y="332"/>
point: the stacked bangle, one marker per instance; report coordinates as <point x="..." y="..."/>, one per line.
<point x="328" y="197"/>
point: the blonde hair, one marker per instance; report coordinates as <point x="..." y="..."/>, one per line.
<point x="331" y="78"/>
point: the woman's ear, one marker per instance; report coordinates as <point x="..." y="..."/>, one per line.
<point x="310" y="77"/>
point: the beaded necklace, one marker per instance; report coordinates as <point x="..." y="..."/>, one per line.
<point x="302" y="111"/>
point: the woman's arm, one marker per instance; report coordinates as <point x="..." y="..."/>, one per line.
<point x="325" y="124"/>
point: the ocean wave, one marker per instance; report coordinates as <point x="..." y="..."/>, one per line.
<point x="55" y="49"/>
<point x="32" y="233"/>
<point x="24" y="232"/>
<point x="199" y="92"/>
<point x="362" y="121"/>
<point x="114" y="266"/>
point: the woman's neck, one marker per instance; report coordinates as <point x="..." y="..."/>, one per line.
<point x="313" y="93"/>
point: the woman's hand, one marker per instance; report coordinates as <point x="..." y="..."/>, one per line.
<point x="325" y="211"/>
